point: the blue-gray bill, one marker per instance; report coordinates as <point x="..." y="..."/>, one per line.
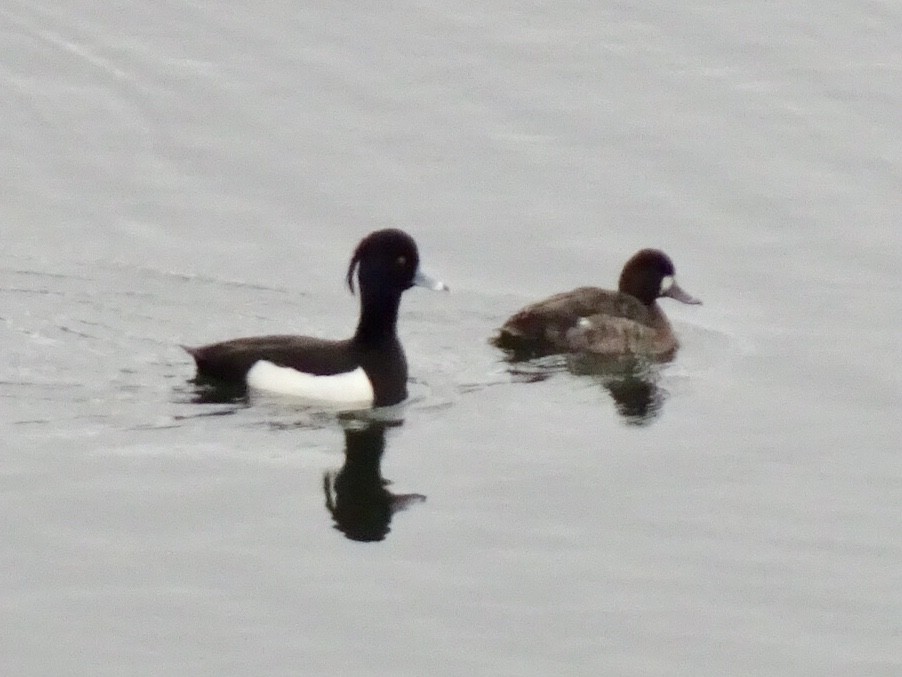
<point x="677" y="293"/>
<point x="421" y="279"/>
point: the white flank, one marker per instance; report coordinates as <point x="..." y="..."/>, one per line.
<point x="352" y="387"/>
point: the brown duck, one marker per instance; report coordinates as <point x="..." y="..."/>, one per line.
<point x="621" y="323"/>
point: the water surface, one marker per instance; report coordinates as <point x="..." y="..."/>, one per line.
<point x="187" y="173"/>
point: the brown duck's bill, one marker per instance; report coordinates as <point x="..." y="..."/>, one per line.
<point x="675" y="292"/>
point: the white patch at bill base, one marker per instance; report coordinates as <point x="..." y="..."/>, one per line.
<point x="350" y="387"/>
<point x="666" y="283"/>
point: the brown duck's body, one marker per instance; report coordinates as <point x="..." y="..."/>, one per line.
<point x="592" y="320"/>
<point x="599" y="321"/>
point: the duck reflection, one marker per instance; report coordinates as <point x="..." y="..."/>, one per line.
<point x="356" y="495"/>
<point x="638" y="401"/>
<point x="632" y="383"/>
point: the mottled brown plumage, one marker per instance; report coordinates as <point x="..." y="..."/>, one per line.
<point x="600" y="321"/>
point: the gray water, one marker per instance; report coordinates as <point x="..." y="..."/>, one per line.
<point x="189" y="172"/>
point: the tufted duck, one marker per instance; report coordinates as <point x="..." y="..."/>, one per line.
<point x="368" y="369"/>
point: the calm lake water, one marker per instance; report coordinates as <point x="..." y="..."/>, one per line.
<point x="189" y="172"/>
